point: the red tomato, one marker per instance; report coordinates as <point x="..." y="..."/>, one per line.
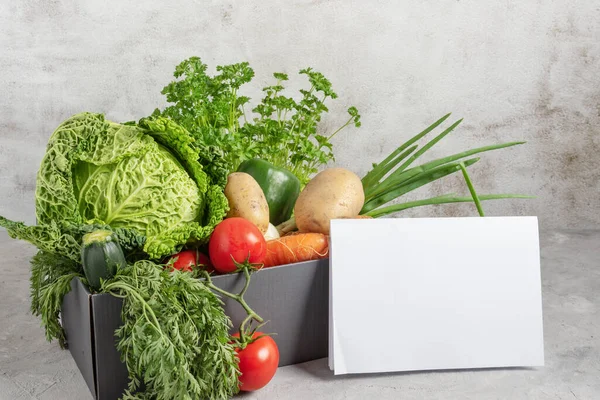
<point x="187" y="259"/>
<point x="258" y="362"/>
<point x="237" y="238"/>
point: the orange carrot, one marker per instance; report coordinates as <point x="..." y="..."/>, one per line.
<point x="296" y="248"/>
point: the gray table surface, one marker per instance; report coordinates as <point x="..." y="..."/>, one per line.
<point x="31" y="368"/>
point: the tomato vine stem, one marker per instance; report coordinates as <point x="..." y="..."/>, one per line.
<point x="245" y="267"/>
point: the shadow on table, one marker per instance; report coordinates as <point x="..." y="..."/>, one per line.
<point x="320" y="369"/>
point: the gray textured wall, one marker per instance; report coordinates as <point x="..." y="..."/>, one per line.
<point x="514" y="70"/>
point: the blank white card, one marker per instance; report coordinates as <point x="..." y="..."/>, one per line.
<point x="434" y="293"/>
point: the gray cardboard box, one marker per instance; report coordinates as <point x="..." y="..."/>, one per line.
<point x="293" y="298"/>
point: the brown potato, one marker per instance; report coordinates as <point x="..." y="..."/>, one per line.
<point x="247" y="200"/>
<point x="332" y="193"/>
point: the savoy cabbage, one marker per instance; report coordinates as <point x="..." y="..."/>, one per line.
<point x="142" y="179"/>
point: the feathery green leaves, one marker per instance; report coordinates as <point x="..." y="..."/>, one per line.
<point x="174" y="339"/>
<point x="50" y="281"/>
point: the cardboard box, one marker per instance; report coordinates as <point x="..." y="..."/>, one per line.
<point x="293" y="298"/>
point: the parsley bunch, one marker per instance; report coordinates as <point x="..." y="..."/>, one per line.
<point x="210" y="109"/>
<point x="283" y="131"/>
<point x="288" y="130"/>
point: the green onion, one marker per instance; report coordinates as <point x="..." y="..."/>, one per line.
<point x="445" y="199"/>
<point x="387" y="181"/>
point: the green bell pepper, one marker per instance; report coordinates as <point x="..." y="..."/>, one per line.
<point x="281" y="187"/>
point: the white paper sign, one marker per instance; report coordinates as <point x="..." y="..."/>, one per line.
<point x="434" y="293"/>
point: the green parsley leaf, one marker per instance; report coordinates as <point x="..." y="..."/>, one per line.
<point x="283" y="131"/>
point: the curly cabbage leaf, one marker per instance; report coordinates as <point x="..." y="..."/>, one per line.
<point x="50" y="237"/>
<point x="145" y="178"/>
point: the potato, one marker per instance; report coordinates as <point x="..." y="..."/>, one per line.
<point x="333" y="193"/>
<point x="247" y="200"/>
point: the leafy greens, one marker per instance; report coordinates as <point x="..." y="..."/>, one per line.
<point x="284" y="130"/>
<point x="50" y="281"/>
<point x="175" y="337"/>
<point x="143" y="178"/>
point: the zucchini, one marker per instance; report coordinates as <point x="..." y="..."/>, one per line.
<point x="101" y="256"/>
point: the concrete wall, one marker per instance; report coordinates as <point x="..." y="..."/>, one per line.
<point x="513" y="69"/>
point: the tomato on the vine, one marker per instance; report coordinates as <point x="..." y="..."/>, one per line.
<point x="188" y="259"/>
<point x="258" y="362"/>
<point x="236" y="239"/>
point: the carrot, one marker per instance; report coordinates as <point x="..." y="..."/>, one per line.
<point x="296" y="248"/>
